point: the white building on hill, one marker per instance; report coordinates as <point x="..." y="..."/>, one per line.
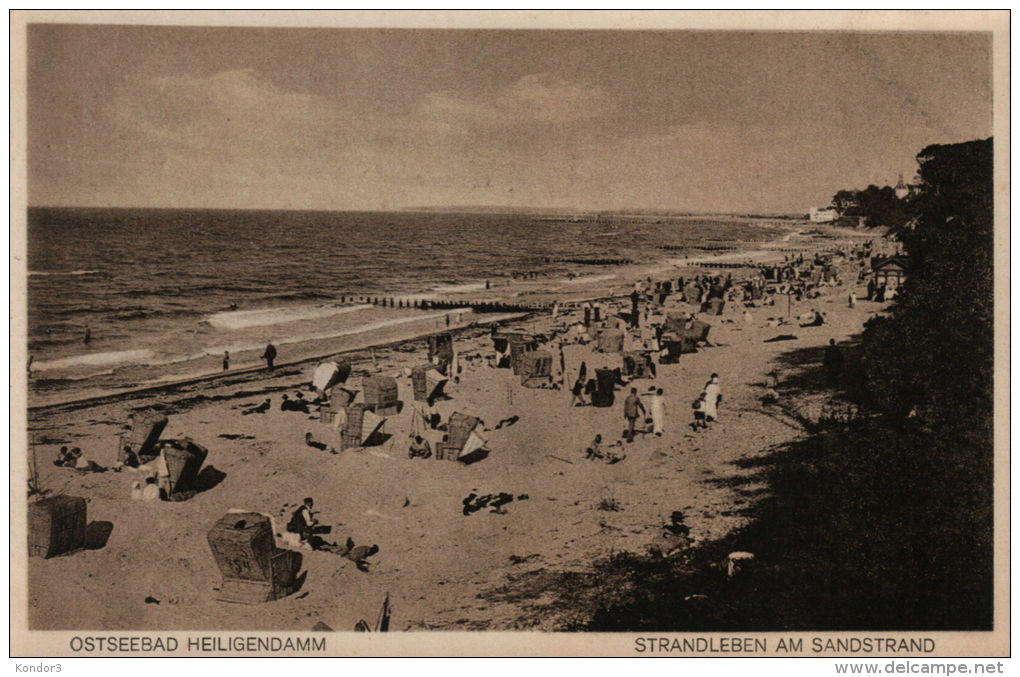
<point x="823" y="214"/>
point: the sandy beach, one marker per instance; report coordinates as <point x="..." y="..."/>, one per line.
<point x="442" y="570"/>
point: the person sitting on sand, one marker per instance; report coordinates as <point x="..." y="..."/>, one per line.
<point x="432" y="415"/>
<point x="85" y="464"/>
<point x="150" y="490"/>
<point x="814" y="319"/>
<point x="594" y="449"/>
<point x="507" y="422"/>
<point x="302" y="521"/>
<point x="66" y="457"/>
<point x="318" y="445"/>
<point x="420" y="448"/>
<point x="299" y="404"/>
<point x="770" y="396"/>
<point x="359" y="554"/>
<point x="613" y="453"/>
<point x="126" y="457"/>
<point x="260" y="409"/>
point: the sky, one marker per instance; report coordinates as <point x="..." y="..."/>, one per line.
<point x="367" y="119"/>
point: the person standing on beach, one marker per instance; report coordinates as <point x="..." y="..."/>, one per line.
<point x="632" y="408"/>
<point x="658" y="408"/>
<point x="713" y="395"/>
<point x="87" y="335"/>
<point x="635" y="298"/>
<point x="576" y="398"/>
<point x="269" y="356"/>
<point x="226" y="360"/>
<point x="852" y="299"/>
<point x="833" y="364"/>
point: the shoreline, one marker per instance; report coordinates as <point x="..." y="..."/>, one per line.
<point x="576" y="290"/>
<point x="256" y="372"/>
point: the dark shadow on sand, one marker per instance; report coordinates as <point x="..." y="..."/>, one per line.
<point x="97" y="534"/>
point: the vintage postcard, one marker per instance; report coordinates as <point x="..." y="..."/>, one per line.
<point x="510" y="333"/>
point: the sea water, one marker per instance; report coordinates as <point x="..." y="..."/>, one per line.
<point x="167" y="291"/>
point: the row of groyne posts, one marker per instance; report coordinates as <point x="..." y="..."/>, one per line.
<point x="448" y="304"/>
<point x="483" y="306"/>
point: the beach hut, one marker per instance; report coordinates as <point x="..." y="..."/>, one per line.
<point x="464" y="438"/>
<point x="441" y="351"/>
<point x="889" y="271"/>
<point x="672" y="348"/>
<point x="358" y="426"/>
<point x="512" y="345"/>
<point x="56" y="526"/>
<point x="638" y="364"/>
<point x="426" y="382"/>
<point x="610" y="341"/>
<point x="328" y="374"/>
<point x="536" y="369"/>
<point x="145" y="429"/>
<point x="605" y="384"/>
<point x="380" y="395"/>
<point x="696" y="331"/>
<point x="338" y="399"/>
<point x="675" y="322"/>
<point x="253" y="569"/>
<point x="179" y="464"/>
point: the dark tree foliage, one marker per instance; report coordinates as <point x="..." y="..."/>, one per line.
<point x="933" y="353"/>
<point x="879" y="206"/>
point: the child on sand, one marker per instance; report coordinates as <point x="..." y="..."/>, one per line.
<point x="699" y="413"/>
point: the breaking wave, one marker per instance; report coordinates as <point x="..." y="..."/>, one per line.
<point x="42" y="273"/>
<point x="243" y="319"/>
<point x="94" y="360"/>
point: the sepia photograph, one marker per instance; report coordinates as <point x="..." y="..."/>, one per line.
<point x="557" y="334"/>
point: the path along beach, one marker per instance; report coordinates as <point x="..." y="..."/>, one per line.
<point x="442" y="568"/>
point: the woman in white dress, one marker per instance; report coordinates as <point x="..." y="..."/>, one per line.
<point x="713" y="394"/>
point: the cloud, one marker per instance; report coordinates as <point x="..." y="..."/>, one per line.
<point x="538" y="98"/>
<point x="236" y="112"/>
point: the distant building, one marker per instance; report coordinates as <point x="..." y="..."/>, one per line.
<point x="823" y="214"/>
<point x="902" y="189"/>
<point x="890" y="271"/>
